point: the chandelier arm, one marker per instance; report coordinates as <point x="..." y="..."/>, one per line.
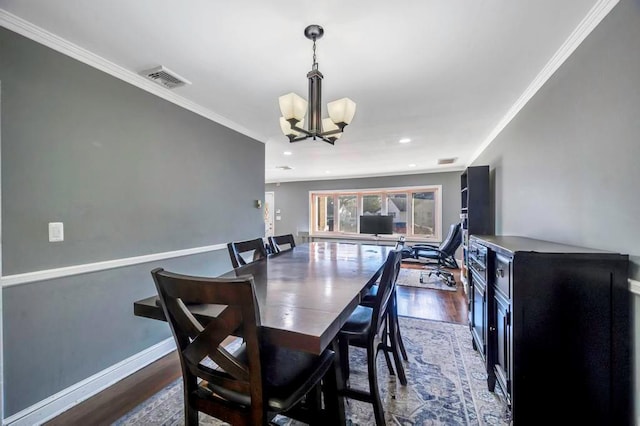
<point x="300" y="129"/>
<point x="327" y="140"/>
<point x="330" y="132"/>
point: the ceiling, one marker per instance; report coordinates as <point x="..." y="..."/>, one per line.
<point x="448" y="75"/>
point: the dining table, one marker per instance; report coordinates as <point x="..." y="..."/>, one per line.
<point x="305" y="294"/>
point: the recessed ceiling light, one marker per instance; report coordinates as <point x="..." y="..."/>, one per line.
<point x="404" y="140"/>
<point x="328" y="172"/>
<point x="412" y="165"/>
<point x="287" y="153"/>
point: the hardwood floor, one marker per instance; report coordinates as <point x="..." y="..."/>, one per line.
<point x="114" y="402"/>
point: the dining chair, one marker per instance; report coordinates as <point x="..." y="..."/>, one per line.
<point x="248" y="385"/>
<point x="364" y="329"/>
<point x="368" y="298"/>
<point x="255" y="248"/>
<point x="280" y="243"/>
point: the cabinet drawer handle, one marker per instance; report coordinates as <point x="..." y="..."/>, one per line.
<point x="500" y="273"/>
<point x="492" y="328"/>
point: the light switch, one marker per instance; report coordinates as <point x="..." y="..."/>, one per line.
<point x="56" y="231"/>
<point x="278" y="217"/>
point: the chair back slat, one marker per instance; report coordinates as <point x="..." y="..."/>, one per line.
<point x="237" y="249"/>
<point x="280" y="243"/>
<point x="386" y="287"/>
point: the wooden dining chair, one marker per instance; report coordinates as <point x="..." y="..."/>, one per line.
<point x="365" y="328"/>
<point x="255" y="249"/>
<point x="280" y="243"/>
<point x="252" y="384"/>
<point x="368" y="298"/>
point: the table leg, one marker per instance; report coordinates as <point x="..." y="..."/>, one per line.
<point x="334" y="391"/>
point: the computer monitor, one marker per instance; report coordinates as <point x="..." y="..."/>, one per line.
<point x="376" y="224"/>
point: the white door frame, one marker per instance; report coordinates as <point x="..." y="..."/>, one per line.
<point x="269" y="213"/>
<point x="1" y="311"/>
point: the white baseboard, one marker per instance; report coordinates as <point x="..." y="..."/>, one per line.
<point x="67" y="398"/>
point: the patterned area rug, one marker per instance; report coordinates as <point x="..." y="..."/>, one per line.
<point x="447" y="386"/>
<point x="410" y="277"/>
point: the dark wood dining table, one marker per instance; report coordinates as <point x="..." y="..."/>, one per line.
<point x="305" y="295"/>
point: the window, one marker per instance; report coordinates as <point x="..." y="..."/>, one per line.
<point x="324" y="213"/>
<point x="416" y="211"/>
<point x="348" y="213"/>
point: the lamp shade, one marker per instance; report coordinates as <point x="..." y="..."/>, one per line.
<point x="285" y="126"/>
<point x="328" y="125"/>
<point x="292" y="106"/>
<point x="342" y="110"/>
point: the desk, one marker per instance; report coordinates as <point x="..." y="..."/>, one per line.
<point x="305" y="295"/>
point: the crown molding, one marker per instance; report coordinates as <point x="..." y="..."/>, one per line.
<point x="634" y="286"/>
<point x="584" y="28"/>
<point x="44" y="37"/>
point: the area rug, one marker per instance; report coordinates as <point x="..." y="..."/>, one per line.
<point x="410" y="277"/>
<point x="447" y="385"/>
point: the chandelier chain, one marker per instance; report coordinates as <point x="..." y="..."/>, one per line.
<point x="315" y="63"/>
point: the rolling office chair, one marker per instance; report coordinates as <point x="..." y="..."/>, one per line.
<point x="442" y="256"/>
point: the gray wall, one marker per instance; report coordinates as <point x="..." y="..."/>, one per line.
<point x="129" y="174"/>
<point x="292" y="198"/>
<point x="566" y="169"/>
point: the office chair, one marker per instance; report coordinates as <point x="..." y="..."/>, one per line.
<point x="442" y="256"/>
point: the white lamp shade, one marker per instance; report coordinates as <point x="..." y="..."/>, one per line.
<point x="342" y="110"/>
<point x="292" y="106"/>
<point x="328" y="125"/>
<point x="286" y="127"/>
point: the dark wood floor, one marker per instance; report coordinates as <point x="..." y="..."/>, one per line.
<point x="114" y="402"/>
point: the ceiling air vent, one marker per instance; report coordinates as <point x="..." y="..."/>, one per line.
<point x="446" y="161"/>
<point x="284" y="167"/>
<point x="165" y="77"/>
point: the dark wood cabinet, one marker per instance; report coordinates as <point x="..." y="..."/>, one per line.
<point x="559" y="330"/>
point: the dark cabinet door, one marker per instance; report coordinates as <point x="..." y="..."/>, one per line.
<point x="479" y="315"/>
<point x="503" y="344"/>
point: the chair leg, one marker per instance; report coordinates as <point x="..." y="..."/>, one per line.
<point x="190" y="413"/>
<point x="394" y="346"/>
<point x="398" y="335"/>
<point x="386" y="338"/>
<point x="343" y="347"/>
<point x="378" y="411"/>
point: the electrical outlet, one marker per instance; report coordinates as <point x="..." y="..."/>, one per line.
<point x="56" y="231"/>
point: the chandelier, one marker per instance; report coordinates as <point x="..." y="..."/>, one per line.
<point x="294" y="107"/>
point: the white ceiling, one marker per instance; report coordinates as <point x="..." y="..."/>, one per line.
<point x="446" y="74"/>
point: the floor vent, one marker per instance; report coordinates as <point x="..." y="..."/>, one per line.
<point x="164" y="77"/>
